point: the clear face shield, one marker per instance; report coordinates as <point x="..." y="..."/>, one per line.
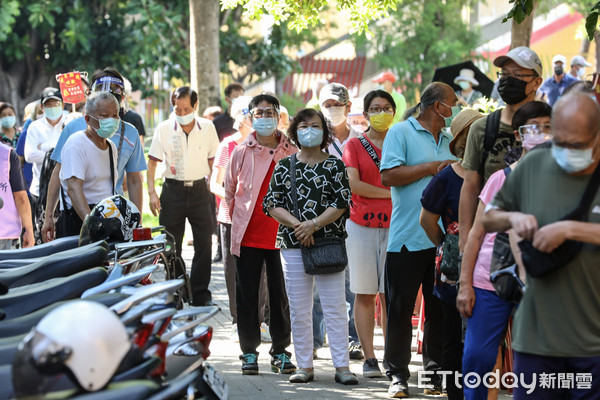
<point x="109" y="84"/>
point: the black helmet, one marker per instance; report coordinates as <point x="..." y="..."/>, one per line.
<point x="113" y="218"/>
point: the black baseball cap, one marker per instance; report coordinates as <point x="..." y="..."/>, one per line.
<point x="50" y="93"/>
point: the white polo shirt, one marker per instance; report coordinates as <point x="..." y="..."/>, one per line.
<point x="41" y="137"/>
<point x="336" y="148"/>
<point x="185" y="155"/>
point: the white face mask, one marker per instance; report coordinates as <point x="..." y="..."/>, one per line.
<point x="572" y="160"/>
<point x="337" y="115"/>
<point x="185" y="119"/>
<point x="581" y="72"/>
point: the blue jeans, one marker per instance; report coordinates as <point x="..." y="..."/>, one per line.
<point x="319" y="322"/>
<point x="485" y="329"/>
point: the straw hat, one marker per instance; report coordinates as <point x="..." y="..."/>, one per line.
<point x="461" y="123"/>
<point x="467" y="75"/>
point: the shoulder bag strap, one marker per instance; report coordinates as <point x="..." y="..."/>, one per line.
<point x="112" y="167"/>
<point x="337" y="148"/>
<point x="370" y="150"/>
<point x="492" y="128"/>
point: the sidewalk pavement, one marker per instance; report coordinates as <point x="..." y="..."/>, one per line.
<point x="270" y="386"/>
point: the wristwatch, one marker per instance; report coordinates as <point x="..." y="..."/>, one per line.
<point x="317" y="227"/>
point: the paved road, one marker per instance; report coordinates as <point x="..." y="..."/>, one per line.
<point x="271" y="386"/>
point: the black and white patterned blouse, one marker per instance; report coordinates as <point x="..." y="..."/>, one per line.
<point x="319" y="187"/>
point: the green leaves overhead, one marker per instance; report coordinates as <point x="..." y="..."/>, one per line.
<point x="135" y="36"/>
<point x="303" y="14"/>
<point x="591" y="22"/>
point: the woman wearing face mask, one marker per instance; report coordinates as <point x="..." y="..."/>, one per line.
<point x="477" y="300"/>
<point x="369" y="222"/>
<point x="253" y="236"/>
<point x="467" y="96"/>
<point x="10" y="129"/>
<point x="243" y="124"/>
<point x="323" y="194"/>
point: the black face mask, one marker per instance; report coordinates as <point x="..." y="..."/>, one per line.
<point x="558" y="71"/>
<point x="512" y="90"/>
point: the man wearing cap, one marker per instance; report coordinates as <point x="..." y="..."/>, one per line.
<point x="386" y="80"/>
<point x="43" y="134"/>
<point x="519" y="79"/>
<point x="187" y="144"/>
<point x="335" y="105"/>
<point x="553" y="87"/>
<point x="130" y="152"/>
<point x="578" y="64"/>
<point x="467" y="96"/>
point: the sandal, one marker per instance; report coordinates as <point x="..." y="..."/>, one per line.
<point x="302" y="376"/>
<point x="346" y="378"/>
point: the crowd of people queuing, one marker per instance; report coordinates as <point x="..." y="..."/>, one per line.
<point x="417" y="195"/>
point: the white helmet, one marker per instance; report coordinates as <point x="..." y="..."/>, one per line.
<point x="85" y="337"/>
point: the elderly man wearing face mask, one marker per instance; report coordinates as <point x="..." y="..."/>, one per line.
<point x="188" y="145"/>
<point x="578" y="64"/>
<point x="89" y="163"/>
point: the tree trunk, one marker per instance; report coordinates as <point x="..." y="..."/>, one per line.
<point x="204" y="52"/>
<point x="521" y="33"/>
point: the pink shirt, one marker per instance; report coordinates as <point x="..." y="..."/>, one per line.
<point x="481" y="273"/>
<point x="222" y="161"/>
<point x="10" y="227"/>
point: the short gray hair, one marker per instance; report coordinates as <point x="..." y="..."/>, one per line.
<point x="93" y="100"/>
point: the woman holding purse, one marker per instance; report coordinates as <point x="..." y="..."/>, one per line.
<point x="320" y="203"/>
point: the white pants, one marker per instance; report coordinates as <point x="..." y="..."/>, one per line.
<point x="299" y="287"/>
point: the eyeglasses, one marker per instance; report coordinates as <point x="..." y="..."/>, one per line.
<point x="505" y="75"/>
<point x="377" y="110"/>
<point x="264" y="113"/>
<point x="304" y="125"/>
<point x="535" y="129"/>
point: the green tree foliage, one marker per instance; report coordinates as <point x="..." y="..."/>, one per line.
<point x="40" y="38"/>
<point x="432" y="35"/>
<point x="303" y="14"/>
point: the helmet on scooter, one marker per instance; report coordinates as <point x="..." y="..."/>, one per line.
<point x="81" y="341"/>
<point x="113" y="218"/>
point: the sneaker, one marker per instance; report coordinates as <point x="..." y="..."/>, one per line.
<point x="398" y="387"/>
<point x="436" y="386"/>
<point x="233" y="335"/>
<point x="249" y="364"/>
<point x="265" y="334"/>
<point x="355" y="351"/>
<point x="371" y="368"/>
<point x="281" y="364"/>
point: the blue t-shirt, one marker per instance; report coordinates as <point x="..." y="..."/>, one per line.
<point x="130" y="158"/>
<point x="442" y="195"/>
<point x="408" y="143"/>
<point x="554" y="90"/>
<point x="27" y="167"/>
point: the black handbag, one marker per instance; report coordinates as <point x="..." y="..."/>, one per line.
<point x="501" y="267"/>
<point x="328" y="254"/>
<point x="449" y="261"/>
<point x="538" y="263"/>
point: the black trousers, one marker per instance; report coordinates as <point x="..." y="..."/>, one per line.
<point x="249" y="266"/>
<point x="404" y="273"/>
<point x="179" y="202"/>
<point x="453" y="348"/>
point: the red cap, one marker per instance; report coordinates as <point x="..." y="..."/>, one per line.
<point x="385" y="76"/>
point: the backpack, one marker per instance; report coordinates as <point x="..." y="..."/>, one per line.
<point x="492" y="133"/>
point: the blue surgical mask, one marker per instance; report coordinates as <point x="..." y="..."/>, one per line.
<point x="464" y="85"/>
<point x="264" y="126"/>
<point x="572" y="160"/>
<point x="53" y="113"/>
<point x="8" y="121"/>
<point x="186" y="119"/>
<point x="455" y="111"/>
<point x="310" y="137"/>
<point x="108" y="126"/>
